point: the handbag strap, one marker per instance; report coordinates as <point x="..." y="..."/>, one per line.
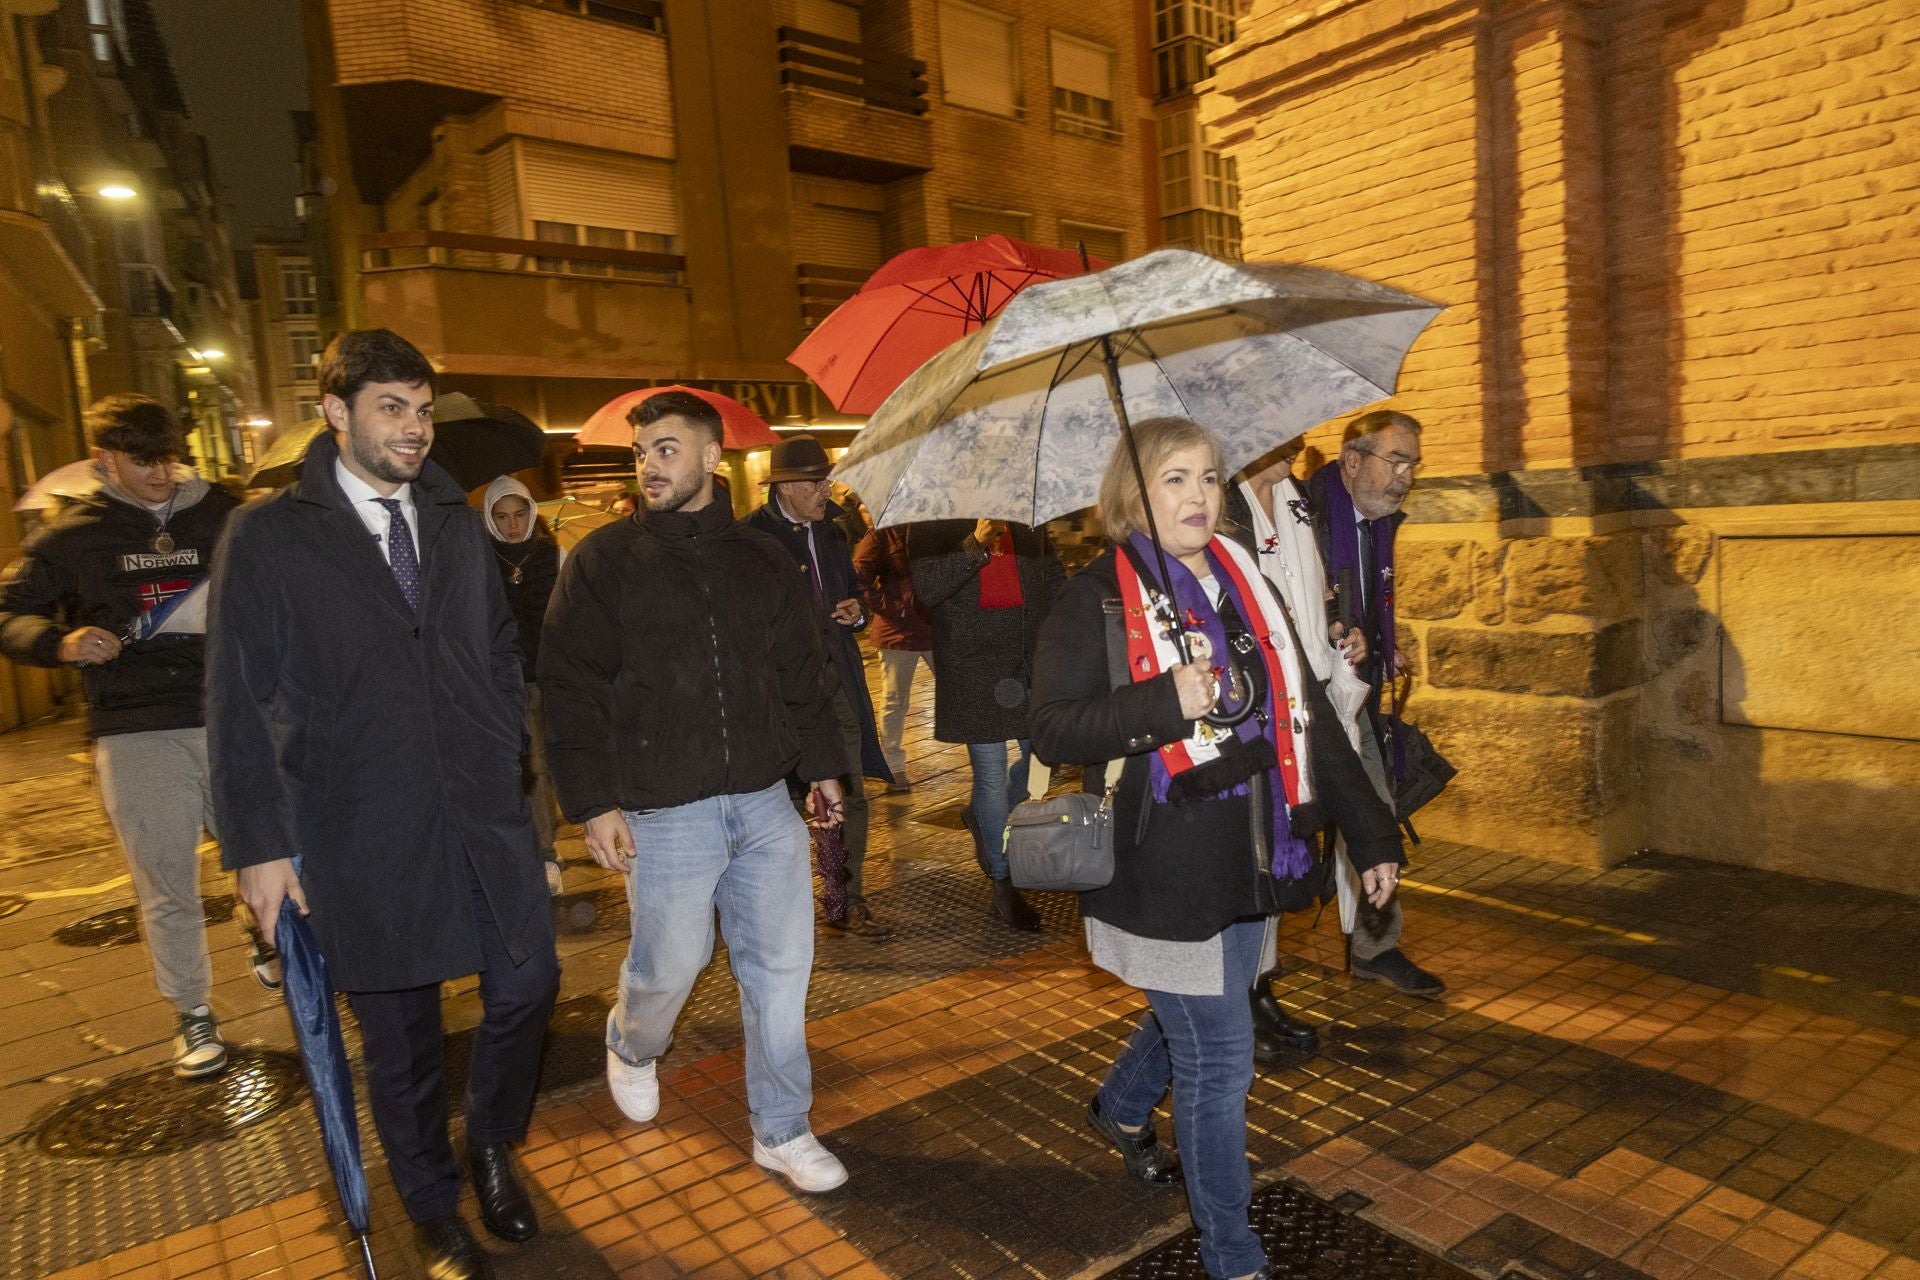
<point x="1039" y="776"/>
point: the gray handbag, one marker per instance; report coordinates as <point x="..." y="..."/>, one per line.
<point x="1065" y="844"/>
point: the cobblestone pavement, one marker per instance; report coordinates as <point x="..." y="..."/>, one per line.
<point x="1670" y="1069"/>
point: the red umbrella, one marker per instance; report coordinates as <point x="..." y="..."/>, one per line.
<point x="741" y="427"/>
<point x="916" y="305"/>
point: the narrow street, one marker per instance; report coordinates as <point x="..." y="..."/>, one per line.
<point x="1670" y="1069"/>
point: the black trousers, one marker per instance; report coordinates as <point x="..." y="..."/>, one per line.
<point x="406" y="1086"/>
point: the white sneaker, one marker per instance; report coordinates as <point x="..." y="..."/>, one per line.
<point x="198" y="1049"/>
<point x="635" y="1090"/>
<point x="554" y="889"/>
<point x="803" y="1162"/>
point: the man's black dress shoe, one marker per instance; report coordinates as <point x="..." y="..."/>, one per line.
<point x="1276" y="1030"/>
<point x="504" y="1205"/>
<point x="449" y="1250"/>
<point x="1393" y="968"/>
<point x="1145" y="1158"/>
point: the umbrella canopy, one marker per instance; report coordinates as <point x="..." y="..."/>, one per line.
<point x="474" y="442"/>
<point x="316" y="1030"/>
<point x="916" y="304"/>
<point x="741" y="427"/>
<point x="75" y="480"/>
<point x="572" y="520"/>
<point x="1016" y="421"/>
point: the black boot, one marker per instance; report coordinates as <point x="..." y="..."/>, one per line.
<point x="1145" y="1158"/>
<point x="449" y="1251"/>
<point x="1012" y="910"/>
<point x="1275" y="1030"/>
<point x="504" y="1205"/>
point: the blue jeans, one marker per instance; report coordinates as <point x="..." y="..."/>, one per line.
<point x="1205" y="1045"/>
<point x="996" y="789"/>
<point x="746" y="855"/>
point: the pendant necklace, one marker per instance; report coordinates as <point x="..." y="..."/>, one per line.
<point x="163" y="541"/>
<point x="517" y="576"/>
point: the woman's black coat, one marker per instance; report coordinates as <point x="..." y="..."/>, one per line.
<point x="983" y="657"/>
<point x="382" y="749"/>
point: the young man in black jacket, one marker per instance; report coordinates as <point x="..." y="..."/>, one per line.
<point x="111" y="587"/>
<point x="684" y="680"/>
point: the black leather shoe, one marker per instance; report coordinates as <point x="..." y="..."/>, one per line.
<point x="1145" y="1158"/>
<point x="1012" y="910"/>
<point x="449" y="1250"/>
<point x="504" y="1205"/>
<point x="1273" y="1022"/>
<point x="1393" y="968"/>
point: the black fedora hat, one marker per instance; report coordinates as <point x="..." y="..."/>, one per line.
<point x="798" y="458"/>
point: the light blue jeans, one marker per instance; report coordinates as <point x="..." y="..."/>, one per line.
<point x="747" y="856"/>
<point x="996" y="789"/>
<point x="1204" y="1044"/>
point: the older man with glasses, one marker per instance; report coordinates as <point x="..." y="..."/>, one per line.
<point x="1356" y="512"/>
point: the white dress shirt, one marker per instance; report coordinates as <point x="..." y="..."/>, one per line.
<point x="363" y="497"/>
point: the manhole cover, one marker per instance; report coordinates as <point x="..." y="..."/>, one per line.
<point x="154" y="1113"/>
<point x="10" y="904"/>
<point x="120" y="926"/>
<point x="1306" y="1239"/>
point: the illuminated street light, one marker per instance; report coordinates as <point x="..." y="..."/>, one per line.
<point x="207" y="353"/>
<point x="117" y="191"/>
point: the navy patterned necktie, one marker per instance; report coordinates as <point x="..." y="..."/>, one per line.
<point x="401" y="557"/>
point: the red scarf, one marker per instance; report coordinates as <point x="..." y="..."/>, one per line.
<point x="1000" y="576"/>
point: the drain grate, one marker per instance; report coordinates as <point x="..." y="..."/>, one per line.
<point x="153" y="1112"/>
<point x="121" y="926"/>
<point x="1306" y="1238"/>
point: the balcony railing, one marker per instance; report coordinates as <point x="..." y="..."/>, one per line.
<point x="809" y="60"/>
<point x="146" y="292"/>
<point x="394" y="250"/>
<point x="823" y="288"/>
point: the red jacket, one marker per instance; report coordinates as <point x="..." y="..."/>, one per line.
<point x="881" y="573"/>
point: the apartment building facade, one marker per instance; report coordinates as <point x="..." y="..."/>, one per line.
<point x="562" y="199"/>
<point x="286" y="333"/>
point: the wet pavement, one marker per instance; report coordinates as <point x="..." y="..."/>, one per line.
<point x="1671" y="1069"/>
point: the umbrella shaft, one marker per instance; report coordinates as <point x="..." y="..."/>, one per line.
<point x="1112" y="363"/>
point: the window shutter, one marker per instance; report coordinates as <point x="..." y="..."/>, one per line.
<point x="976" y="59"/>
<point x="577" y="185"/>
<point x="838" y="224"/>
<point x="834" y="18"/>
<point x="971" y="221"/>
<point x="1082" y="67"/>
<point x="1108" y="243"/>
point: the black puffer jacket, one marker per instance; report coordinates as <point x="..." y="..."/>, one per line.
<point x="95" y="566"/>
<point x="680" y="660"/>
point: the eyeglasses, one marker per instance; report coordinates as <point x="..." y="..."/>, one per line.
<point x="1400" y="466"/>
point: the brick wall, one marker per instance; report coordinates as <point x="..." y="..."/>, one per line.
<point x="1666" y="229"/>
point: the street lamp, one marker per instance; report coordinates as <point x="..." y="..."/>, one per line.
<point x="207" y="353"/>
<point x="117" y="191"/>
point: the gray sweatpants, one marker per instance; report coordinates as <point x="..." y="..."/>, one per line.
<point x="157" y="796"/>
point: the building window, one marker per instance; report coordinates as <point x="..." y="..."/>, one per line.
<point x="1205" y="230"/>
<point x="296" y="288"/>
<point x="979" y="58"/>
<point x="972" y="221"/>
<point x="605" y="238"/>
<point x="106" y="28"/>
<point x="309" y="410"/>
<point x="1184" y="33"/>
<point x="837" y="19"/>
<point x="1106" y="243"/>
<point x="303" y="353"/>
<point x="1199" y="189"/>
<point x="646" y="15"/>
<point x="1083" y="88"/>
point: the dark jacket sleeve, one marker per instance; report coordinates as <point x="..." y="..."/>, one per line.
<point x="944" y="558"/>
<point x="246" y="653"/>
<point x="874" y="576"/>
<point x="509" y="668"/>
<point x="580" y="658"/>
<point x="807" y="684"/>
<point x="30" y="603"/>
<point x="1076" y="716"/>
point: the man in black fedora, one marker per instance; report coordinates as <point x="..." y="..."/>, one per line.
<point x="800" y="513"/>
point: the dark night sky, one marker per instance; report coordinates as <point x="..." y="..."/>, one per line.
<point x="241" y="65"/>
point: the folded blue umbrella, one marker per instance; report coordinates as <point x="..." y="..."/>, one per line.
<point x="316" y="1029"/>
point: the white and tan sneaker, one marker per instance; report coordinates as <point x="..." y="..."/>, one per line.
<point x="635" y="1090"/>
<point x="803" y="1162"/>
<point x="198" y="1050"/>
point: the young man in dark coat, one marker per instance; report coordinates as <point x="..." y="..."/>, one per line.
<point x="800" y="516"/>
<point x="105" y="588"/>
<point x="365" y="714"/>
<point x="989" y="586"/>
<point x="684" y="683"/>
<point x="1356" y="503"/>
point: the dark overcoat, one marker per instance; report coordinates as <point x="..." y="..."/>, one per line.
<point x="381" y="749"/>
<point x="984" y="657"/>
